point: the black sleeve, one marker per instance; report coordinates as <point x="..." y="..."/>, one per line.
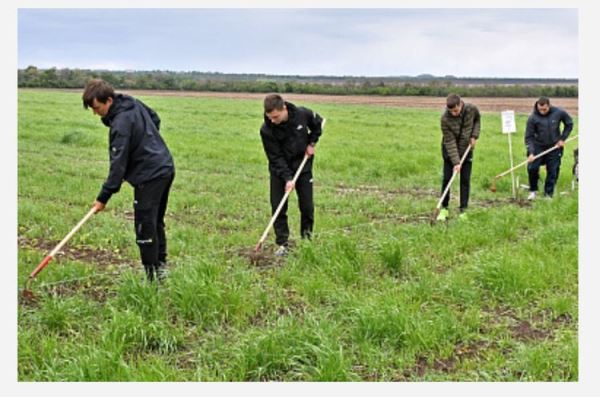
<point x="315" y="125"/>
<point x="119" y="157"/>
<point x="568" y="122"/>
<point x="275" y="155"/>
<point x="152" y="113"/>
<point x="529" y="135"/>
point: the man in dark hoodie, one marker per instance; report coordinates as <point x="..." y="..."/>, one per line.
<point x="542" y="133"/>
<point x="138" y="155"/>
<point x="288" y="133"/>
<point x="460" y="124"/>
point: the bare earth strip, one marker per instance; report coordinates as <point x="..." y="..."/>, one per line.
<point x="519" y="105"/>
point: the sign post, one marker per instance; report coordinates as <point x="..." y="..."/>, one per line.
<point x="509" y="127"/>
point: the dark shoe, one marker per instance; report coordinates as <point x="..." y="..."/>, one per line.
<point x="161" y="271"/>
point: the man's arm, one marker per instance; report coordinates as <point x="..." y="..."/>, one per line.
<point x="315" y="125"/>
<point x="119" y="158"/>
<point x="529" y="136"/>
<point x="529" y="139"/>
<point x="568" y="125"/>
<point x="449" y="143"/>
<point x="275" y="156"/>
<point x="476" y="124"/>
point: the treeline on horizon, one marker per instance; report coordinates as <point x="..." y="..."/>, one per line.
<point x="423" y="85"/>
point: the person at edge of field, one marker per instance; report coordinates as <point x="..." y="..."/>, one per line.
<point x="542" y="133"/>
<point x="138" y="154"/>
<point x="288" y="133"/>
<point x="460" y="124"/>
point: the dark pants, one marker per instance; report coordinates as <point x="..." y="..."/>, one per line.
<point x="552" y="161"/>
<point x="465" y="181"/>
<point x="150" y="205"/>
<point x="304" y="192"/>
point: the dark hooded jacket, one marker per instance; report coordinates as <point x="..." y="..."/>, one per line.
<point x="138" y="153"/>
<point x="285" y="143"/>
<point x="458" y="131"/>
<point x="543" y="131"/>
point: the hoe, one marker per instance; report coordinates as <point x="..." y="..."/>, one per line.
<point x="436" y="212"/>
<point x="27" y="293"/>
<point x="493" y="186"/>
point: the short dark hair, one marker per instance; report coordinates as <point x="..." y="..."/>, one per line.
<point x="272" y="102"/>
<point x="543" y="101"/>
<point x="452" y="101"/>
<point x="97" y="89"/>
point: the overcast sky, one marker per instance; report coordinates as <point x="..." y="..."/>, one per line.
<point x="359" y="42"/>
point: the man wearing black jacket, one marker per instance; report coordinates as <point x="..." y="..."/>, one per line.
<point x="138" y="155"/>
<point x="542" y="133"/>
<point x="289" y="133"/>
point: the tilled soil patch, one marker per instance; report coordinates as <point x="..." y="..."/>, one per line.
<point x="98" y="256"/>
<point x="378" y="191"/>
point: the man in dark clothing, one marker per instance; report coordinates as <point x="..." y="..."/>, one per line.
<point x="139" y="155"/>
<point x="460" y="125"/>
<point x="288" y="133"/>
<point x="542" y="133"/>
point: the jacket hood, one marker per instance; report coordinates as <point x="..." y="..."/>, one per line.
<point x="291" y="108"/>
<point x="121" y="103"/>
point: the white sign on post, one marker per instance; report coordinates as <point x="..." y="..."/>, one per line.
<point x="510" y="127"/>
<point x="508" y="122"/>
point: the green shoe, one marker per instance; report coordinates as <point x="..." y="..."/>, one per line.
<point x="443" y="215"/>
<point x="463" y="217"/>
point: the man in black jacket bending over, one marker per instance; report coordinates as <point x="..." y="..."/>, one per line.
<point x="288" y="133"/>
<point x="139" y="155"/>
<point x="542" y="133"/>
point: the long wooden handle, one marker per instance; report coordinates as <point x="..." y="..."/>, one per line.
<point x="58" y="247"/>
<point x="535" y="157"/>
<point x="284" y="198"/>
<point x="439" y="204"/>
<point x="281" y="203"/>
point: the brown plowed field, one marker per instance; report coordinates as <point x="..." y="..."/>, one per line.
<point x="519" y="105"/>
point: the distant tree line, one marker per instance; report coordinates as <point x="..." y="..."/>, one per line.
<point x="424" y="85"/>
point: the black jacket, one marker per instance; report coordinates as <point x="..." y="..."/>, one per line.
<point x="543" y="131"/>
<point x="285" y="143"/>
<point x="137" y="152"/>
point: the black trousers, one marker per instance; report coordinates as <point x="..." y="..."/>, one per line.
<point x="304" y="192"/>
<point x="465" y="181"/>
<point x="150" y="205"/>
<point x="552" y="161"/>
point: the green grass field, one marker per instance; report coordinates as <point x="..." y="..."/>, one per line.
<point x="378" y="295"/>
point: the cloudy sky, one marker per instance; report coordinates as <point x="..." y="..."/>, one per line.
<point x="360" y="42"/>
